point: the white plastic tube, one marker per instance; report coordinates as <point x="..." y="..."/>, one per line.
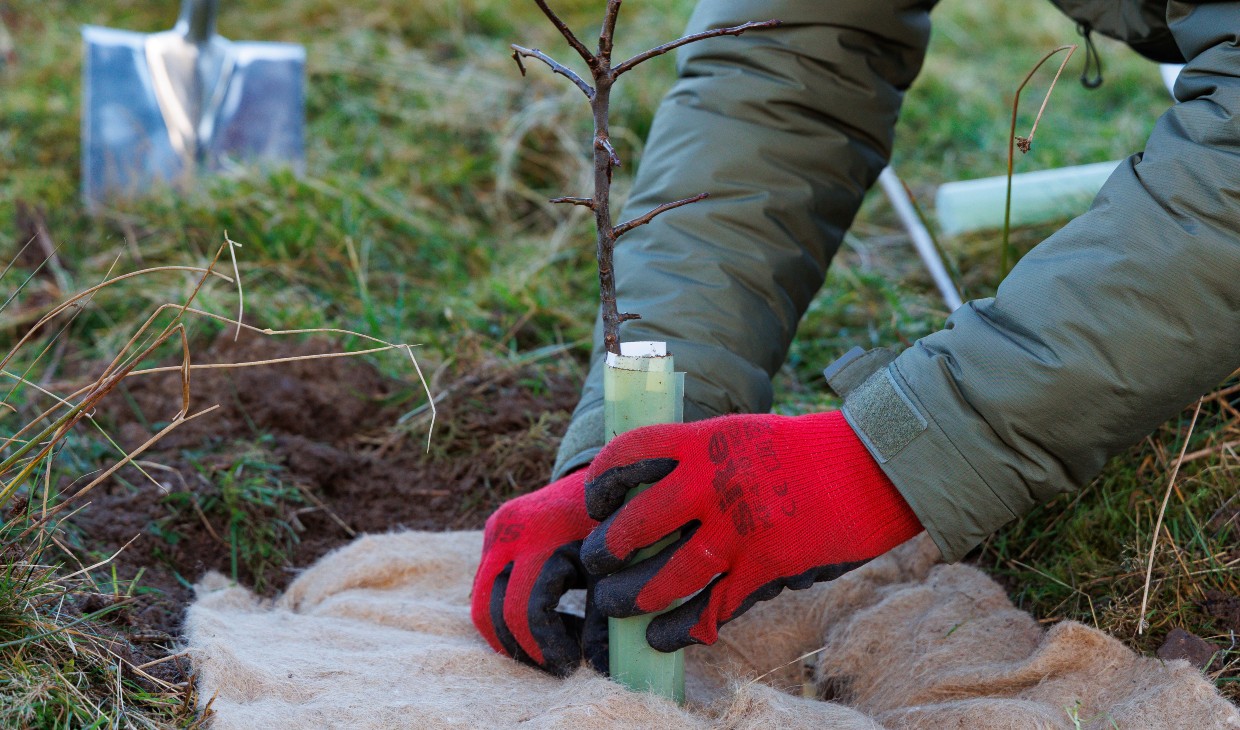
<point x="1170" y="72"/>
<point x="1037" y="197"/>
<point x="922" y="241"/>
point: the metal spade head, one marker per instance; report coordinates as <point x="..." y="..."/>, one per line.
<point x="8" y="51"/>
<point x="160" y="108"/>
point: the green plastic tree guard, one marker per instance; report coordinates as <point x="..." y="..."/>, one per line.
<point x="641" y="388"/>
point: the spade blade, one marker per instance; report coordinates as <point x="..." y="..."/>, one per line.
<point x="160" y="109"/>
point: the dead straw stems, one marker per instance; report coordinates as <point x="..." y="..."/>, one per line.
<point x="1142" y="623"/>
<point x="30" y="444"/>
<point x="1025" y="143"/>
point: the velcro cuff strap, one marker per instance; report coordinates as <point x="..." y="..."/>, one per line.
<point x="852" y="368"/>
<point x="884" y="418"/>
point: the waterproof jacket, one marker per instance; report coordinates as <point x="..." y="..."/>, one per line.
<point x="1099" y="334"/>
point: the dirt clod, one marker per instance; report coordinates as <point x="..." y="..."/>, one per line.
<point x="1181" y="644"/>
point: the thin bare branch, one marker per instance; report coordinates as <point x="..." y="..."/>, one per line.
<point x="607" y="32"/>
<point x="660" y="50"/>
<point x="642" y="220"/>
<point x="554" y="65"/>
<point x="604" y="75"/>
<point x="567" y="32"/>
<point x="604" y="144"/>
<point x="585" y="202"/>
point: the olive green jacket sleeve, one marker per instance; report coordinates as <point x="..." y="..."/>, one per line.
<point x="786" y="129"/>
<point x="1099" y="334"/>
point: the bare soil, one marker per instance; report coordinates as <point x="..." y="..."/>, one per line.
<point x="328" y="430"/>
<point x="1225" y="608"/>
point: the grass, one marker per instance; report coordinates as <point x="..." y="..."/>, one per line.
<point x="57" y="668"/>
<point x="249" y="507"/>
<point x="422" y="218"/>
<point x="1084" y="556"/>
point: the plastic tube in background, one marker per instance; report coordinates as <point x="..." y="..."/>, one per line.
<point x="1037" y="197"/>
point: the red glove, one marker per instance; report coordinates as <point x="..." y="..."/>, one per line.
<point x="529" y="560"/>
<point x="762" y="502"/>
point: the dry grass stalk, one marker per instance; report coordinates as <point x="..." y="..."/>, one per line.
<point x="125" y="364"/>
<point x="32" y="443"/>
<point x="1025" y="143"/>
<point x="1142" y="623"/>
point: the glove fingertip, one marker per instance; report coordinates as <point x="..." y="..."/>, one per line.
<point x="557" y="634"/>
<point x="480" y="613"/>
<point x="595" y="642"/>
<point x="617" y="594"/>
<point x="606" y="490"/>
<point x="499" y="589"/>
<point x="597" y="558"/>
<point x="675" y="629"/>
